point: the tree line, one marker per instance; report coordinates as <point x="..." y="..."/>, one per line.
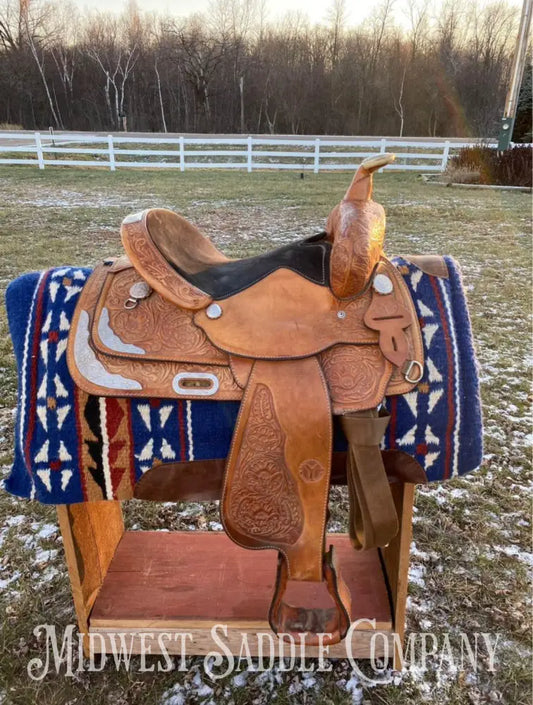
<point x="437" y="72"/>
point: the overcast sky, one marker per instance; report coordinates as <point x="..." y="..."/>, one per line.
<point x="316" y="10"/>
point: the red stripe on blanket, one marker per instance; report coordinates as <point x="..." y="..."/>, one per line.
<point x="34" y="367"/>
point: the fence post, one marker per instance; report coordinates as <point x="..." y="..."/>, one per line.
<point x="39" y="148"/>
<point x="382" y="149"/>
<point x="249" y="161"/>
<point x="182" y="153"/>
<point x="317" y="155"/>
<point x="111" y="151"/>
<point x="445" y="155"/>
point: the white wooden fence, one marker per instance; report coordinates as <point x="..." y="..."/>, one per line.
<point x="211" y="152"/>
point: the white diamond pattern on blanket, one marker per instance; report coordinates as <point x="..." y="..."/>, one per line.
<point x="41" y="394"/>
<point x="62" y="413"/>
<point x="147" y="451"/>
<point x="434" y="397"/>
<point x="434" y="374"/>
<point x="416" y="276"/>
<point x="46" y="325"/>
<point x="428" y="331"/>
<point x="144" y="411"/>
<point x="430" y="436"/>
<point x="53" y="289"/>
<point x="65" y="478"/>
<point x="43" y="347"/>
<point x="425" y="311"/>
<point x="78" y="274"/>
<point x="411" y="400"/>
<point x="60" y="272"/>
<point x="44" y="476"/>
<point x="164" y="413"/>
<point x="166" y="450"/>
<point x="41" y="415"/>
<point x="430" y="459"/>
<point x="72" y="291"/>
<point x="408" y="438"/>
<point x="64" y="455"/>
<point x="61" y="347"/>
<point x="42" y="455"/>
<point x="60" y="387"/>
<point x="64" y="323"/>
<point x="161" y="438"/>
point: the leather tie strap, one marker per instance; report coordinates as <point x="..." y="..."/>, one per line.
<point x="373" y="517"/>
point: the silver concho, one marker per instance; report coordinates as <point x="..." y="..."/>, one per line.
<point x="213" y="311"/>
<point x="138" y="292"/>
<point x="382" y="284"/>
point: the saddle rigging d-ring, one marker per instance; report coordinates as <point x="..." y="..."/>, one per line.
<point x="412" y="365"/>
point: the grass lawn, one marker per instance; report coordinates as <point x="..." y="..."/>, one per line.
<point x="471" y="552"/>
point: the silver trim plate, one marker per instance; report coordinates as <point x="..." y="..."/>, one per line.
<point x="195" y="391"/>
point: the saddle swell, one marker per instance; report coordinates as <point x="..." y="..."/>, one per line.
<point x="356" y="227"/>
<point x="321" y="327"/>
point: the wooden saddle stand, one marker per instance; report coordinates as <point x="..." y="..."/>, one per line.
<point x="319" y="328"/>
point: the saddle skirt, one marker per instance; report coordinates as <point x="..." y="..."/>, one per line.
<point x="439" y="422"/>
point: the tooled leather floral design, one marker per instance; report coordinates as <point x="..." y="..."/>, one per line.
<point x="340" y="261"/>
<point x="358" y="230"/>
<point x="156" y="267"/>
<point x="156" y="377"/>
<point x="263" y="499"/>
<point x="163" y="330"/>
<point x="356" y="375"/>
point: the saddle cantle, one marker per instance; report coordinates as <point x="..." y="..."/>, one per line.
<point x="321" y="327"/>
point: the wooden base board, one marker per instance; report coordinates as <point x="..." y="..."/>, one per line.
<point x="187" y="582"/>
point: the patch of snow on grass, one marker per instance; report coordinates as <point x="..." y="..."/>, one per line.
<point x="416" y="575"/>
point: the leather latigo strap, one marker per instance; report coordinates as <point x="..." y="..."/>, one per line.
<point x="373" y="518"/>
<point x="277" y="478"/>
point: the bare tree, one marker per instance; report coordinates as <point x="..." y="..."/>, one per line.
<point x="441" y="74"/>
<point x="116" y="63"/>
<point x="337" y="15"/>
<point x="38" y="34"/>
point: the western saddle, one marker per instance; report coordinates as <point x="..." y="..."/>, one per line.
<point x="321" y="327"/>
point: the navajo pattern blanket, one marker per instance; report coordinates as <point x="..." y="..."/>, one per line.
<point x="72" y="447"/>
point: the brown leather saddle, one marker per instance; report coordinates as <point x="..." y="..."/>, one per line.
<point x="320" y="327"/>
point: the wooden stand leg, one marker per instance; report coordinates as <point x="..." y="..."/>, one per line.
<point x="91" y="532"/>
<point x="396" y="560"/>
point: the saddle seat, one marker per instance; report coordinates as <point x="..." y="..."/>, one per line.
<point x="198" y="261"/>
<point x="181" y="243"/>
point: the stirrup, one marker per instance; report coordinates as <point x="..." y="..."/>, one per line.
<point x="333" y="623"/>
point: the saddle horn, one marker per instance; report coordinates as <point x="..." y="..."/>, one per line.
<point x="356" y="227"/>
